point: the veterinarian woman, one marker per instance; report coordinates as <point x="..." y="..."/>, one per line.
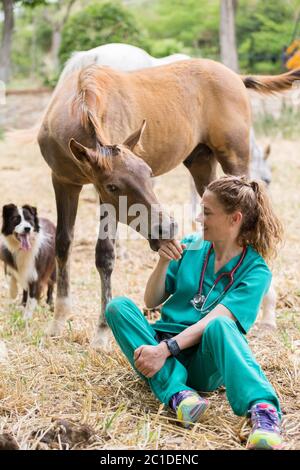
<point x="212" y="288"/>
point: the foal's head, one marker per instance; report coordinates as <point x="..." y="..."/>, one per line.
<point x="124" y="183"/>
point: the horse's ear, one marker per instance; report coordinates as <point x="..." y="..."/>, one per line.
<point x="82" y="154"/>
<point x="267" y="151"/>
<point x="135" y="137"/>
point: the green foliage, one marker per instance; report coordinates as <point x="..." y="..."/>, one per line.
<point x="193" y="24"/>
<point x="22" y="41"/>
<point x="97" y="24"/>
<point x="161" y="27"/>
<point x="163" y="47"/>
<point x="263" y="29"/>
<point x="43" y="33"/>
<point x="31" y="41"/>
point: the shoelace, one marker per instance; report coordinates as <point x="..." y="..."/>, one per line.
<point x="265" y="418"/>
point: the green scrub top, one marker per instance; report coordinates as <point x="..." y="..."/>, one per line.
<point x="251" y="282"/>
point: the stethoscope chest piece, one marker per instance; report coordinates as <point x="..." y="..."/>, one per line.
<point x="198" y="301"/>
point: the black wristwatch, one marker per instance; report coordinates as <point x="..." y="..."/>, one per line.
<point x="172" y="346"/>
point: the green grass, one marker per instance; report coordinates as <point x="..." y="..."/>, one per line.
<point x="286" y="339"/>
<point x="16" y="321"/>
<point x="287" y="125"/>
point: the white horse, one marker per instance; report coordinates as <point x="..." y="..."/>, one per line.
<point x="127" y="58"/>
<point x="119" y="56"/>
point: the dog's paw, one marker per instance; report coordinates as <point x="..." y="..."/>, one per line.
<point x="55" y="328"/>
<point x="102" y="340"/>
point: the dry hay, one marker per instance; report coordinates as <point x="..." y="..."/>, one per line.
<point x="59" y="393"/>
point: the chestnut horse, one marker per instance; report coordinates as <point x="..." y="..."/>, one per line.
<point x="197" y="112"/>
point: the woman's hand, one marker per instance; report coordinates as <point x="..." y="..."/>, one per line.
<point x="148" y="360"/>
<point x="171" y="249"/>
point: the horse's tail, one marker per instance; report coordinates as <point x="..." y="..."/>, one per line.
<point x="271" y="83"/>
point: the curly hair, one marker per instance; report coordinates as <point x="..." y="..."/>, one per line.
<point x="260" y="226"/>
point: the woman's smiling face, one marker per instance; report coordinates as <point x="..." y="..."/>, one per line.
<point x="217" y="224"/>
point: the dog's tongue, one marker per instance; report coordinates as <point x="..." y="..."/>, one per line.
<point x="25" y="243"/>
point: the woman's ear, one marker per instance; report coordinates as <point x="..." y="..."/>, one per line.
<point x="236" y="218"/>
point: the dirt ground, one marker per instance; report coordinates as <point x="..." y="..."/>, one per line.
<point x="59" y="393"/>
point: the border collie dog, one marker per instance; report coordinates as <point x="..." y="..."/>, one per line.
<point x="27" y="248"/>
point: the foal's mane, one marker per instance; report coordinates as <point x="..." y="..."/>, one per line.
<point x="89" y="102"/>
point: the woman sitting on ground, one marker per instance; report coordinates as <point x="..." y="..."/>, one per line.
<point x="212" y="288"/>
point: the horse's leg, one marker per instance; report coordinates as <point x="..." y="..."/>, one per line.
<point x="202" y="164"/>
<point x="105" y="258"/>
<point x="49" y="299"/>
<point x="233" y="153"/>
<point x="268" y="315"/>
<point x="66" y="196"/>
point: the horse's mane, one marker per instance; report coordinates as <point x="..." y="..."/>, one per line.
<point x="89" y="103"/>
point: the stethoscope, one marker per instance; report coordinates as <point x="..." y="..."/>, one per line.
<point x="199" y="300"/>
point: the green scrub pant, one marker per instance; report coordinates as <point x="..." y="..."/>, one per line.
<point x="223" y="357"/>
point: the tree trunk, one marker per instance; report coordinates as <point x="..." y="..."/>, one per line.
<point x="56" y="40"/>
<point x="57" y="32"/>
<point x="5" y="49"/>
<point x="229" y="55"/>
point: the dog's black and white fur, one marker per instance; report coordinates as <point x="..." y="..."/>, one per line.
<point x="27" y="248"/>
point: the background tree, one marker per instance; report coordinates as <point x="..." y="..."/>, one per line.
<point x="6" y="41"/>
<point x="263" y="29"/>
<point x="189" y="26"/>
<point x="97" y="24"/>
<point x="229" y="55"/>
<point x="57" y="17"/>
<point x="7" y="34"/>
<point x="161" y="27"/>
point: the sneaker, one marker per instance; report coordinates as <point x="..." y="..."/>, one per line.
<point x="265" y="434"/>
<point x="189" y="407"/>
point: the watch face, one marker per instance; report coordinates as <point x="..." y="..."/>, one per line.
<point x="173" y="347"/>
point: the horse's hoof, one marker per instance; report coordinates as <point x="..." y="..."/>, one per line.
<point x="267" y="327"/>
<point x="54" y="328"/>
<point x="102" y="340"/>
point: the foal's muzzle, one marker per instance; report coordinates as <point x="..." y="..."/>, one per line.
<point x="162" y="231"/>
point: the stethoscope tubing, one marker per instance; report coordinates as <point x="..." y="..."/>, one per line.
<point x="230" y="274"/>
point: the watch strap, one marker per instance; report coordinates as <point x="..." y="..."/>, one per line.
<point x="172" y="346"/>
